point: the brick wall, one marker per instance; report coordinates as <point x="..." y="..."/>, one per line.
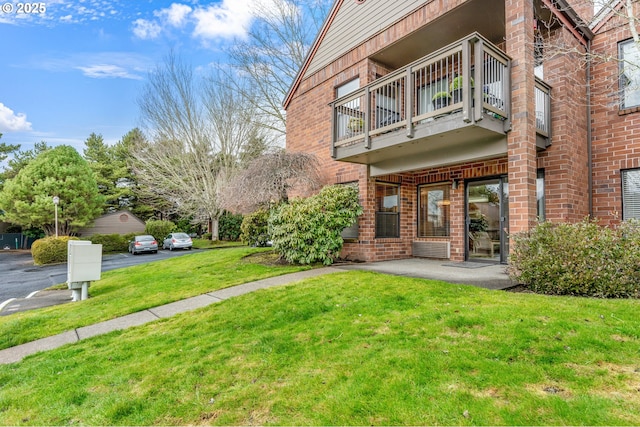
<point x="566" y="161"/>
<point x="522" y="138"/>
<point x="616" y="132"/>
<point x="368" y="248"/>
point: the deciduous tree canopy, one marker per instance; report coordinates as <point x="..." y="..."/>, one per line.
<point x="269" y="179"/>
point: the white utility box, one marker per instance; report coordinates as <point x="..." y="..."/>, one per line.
<point x="84" y="264"/>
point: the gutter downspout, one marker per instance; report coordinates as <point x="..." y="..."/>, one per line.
<point x="589" y="135"/>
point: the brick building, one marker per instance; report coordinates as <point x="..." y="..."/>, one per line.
<point x="461" y="122"/>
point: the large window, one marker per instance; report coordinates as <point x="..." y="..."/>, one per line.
<point x="631" y="194"/>
<point x="629" y="74"/>
<point x="433" y="211"/>
<point x="387" y="210"/>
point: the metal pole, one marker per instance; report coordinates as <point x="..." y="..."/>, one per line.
<point x="56" y="200"/>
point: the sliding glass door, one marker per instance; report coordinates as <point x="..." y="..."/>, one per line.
<point x="487" y="220"/>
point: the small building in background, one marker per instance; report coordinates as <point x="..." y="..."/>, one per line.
<point x="121" y="222"/>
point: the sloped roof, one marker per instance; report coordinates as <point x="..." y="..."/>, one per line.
<point x="314" y="48"/>
<point x="385" y="16"/>
<point x="349" y="24"/>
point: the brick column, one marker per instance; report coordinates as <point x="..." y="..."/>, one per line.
<point x="521" y="141"/>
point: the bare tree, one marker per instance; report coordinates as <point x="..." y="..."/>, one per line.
<point x="269" y="179"/>
<point x="273" y="53"/>
<point x="199" y="132"/>
<point x="619" y="14"/>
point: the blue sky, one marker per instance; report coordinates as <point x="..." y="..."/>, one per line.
<point x="79" y="67"/>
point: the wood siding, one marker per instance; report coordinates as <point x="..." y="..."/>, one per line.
<point x="355" y="23"/>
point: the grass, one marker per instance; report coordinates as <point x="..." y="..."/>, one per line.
<point x="137" y="288"/>
<point x="349" y="348"/>
<point x="212" y="244"/>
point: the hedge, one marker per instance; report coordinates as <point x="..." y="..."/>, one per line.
<point x="583" y="259"/>
<point x="50" y="250"/>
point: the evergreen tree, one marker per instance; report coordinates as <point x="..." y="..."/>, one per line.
<point x="27" y="199"/>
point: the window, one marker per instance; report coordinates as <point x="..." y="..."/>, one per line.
<point x="433" y="211"/>
<point x="629" y="53"/>
<point x="387" y="210"/>
<point x="387" y="104"/>
<point x="350" y="118"/>
<point x="631" y="194"/>
<point x="426" y="93"/>
<point x="351" y="233"/>
<point x="540" y="195"/>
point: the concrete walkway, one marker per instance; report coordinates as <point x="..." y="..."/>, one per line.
<point x="482" y="274"/>
<point x="491" y="276"/>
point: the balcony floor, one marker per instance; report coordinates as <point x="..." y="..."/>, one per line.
<point x="439" y="141"/>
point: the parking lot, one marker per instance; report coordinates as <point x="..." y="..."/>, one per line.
<point x="19" y="277"/>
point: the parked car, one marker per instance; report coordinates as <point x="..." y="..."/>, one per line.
<point x="177" y="241"/>
<point x="143" y="244"/>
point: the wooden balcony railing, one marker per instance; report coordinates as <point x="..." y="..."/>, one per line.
<point x="449" y="80"/>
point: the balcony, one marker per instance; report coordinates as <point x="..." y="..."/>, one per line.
<point x="543" y="114"/>
<point x="427" y="114"/>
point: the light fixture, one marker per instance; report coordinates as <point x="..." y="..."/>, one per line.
<point x="454" y="184"/>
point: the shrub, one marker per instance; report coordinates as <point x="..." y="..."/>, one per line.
<point x="111" y="242"/>
<point x="229" y="226"/>
<point x="254" y="229"/>
<point x="50" y="250"/>
<point x="579" y="259"/>
<point x="308" y="230"/>
<point x="206" y="236"/>
<point x="159" y="228"/>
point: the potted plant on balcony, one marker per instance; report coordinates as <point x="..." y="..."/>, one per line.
<point x="356" y="125"/>
<point x="440" y="100"/>
<point x="456" y="88"/>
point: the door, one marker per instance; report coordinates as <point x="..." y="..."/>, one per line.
<point x="487" y="220"/>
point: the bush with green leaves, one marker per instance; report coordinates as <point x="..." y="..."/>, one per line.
<point x="50" y="250"/>
<point x="583" y="259"/>
<point x="112" y="242"/>
<point x="229" y="226"/>
<point x="308" y="230"/>
<point x="159" y="228"/>
<point x="254" y="230"/>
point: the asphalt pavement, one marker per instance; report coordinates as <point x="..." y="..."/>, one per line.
<point x="19" y="277"/>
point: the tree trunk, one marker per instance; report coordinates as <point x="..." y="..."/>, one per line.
<point x="213" y="228"/>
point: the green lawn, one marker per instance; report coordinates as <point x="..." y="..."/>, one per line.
<point x="133" y="289"/>
<point x="350" y="348"/>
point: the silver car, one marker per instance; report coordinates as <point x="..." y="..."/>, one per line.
<point x="177" y="241"/>
<point x="141" y="244"/>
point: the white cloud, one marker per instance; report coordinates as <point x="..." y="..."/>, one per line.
<point x="101" y="71"/>
<point x="144" y="29"/>
<point x="231" y="18"/>
<point x="225" y="19"/>
<point x="126" y="65"/>
<point x="12" y="122"/>
<point x="175" y="15"/>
